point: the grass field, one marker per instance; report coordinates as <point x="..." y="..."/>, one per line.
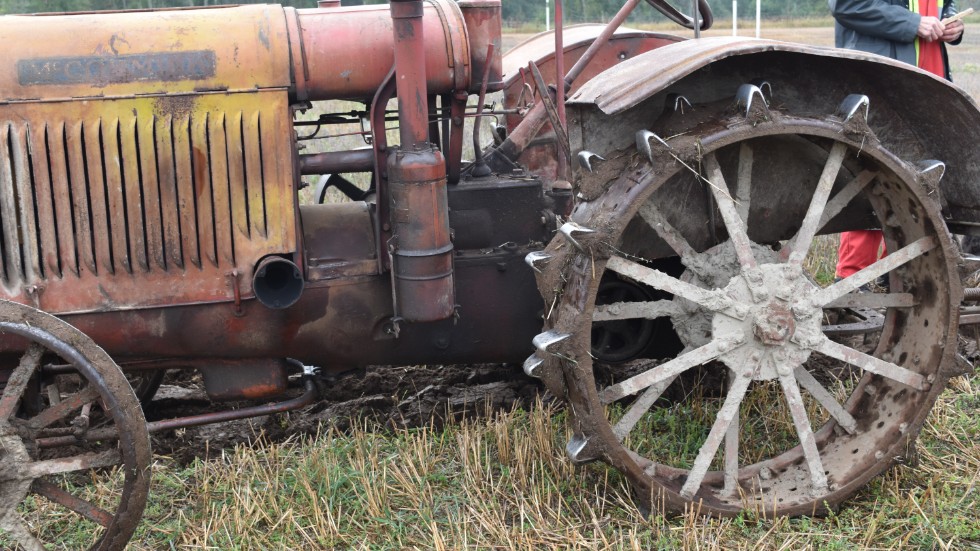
<point x="503" y="482"/>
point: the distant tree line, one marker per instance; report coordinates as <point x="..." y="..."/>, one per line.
<point x="515" y="12"/>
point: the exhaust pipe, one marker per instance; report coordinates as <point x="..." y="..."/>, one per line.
<point x="277" y="283"/>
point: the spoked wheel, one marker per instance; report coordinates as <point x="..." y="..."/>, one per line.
<point x="59" y="484"/>
<point x="802" y="421"/>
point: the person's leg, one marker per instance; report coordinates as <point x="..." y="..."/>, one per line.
<point x="858" y="249"/>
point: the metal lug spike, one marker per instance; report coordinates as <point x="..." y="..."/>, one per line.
<point x="643" y="138"/>
<point x="932" y="168"/>
<point x="543" y="341"/>
<point x="579" y="451"/>
<point x="585" y="159"/>
<point x="746" y="94"/>
<point x="765" y="87"/>
<point x="854" y="104"/>
<point x="537" y="256"/>
<point x="677" y="102"/>
<point x="569" y="229"/>
<point x="532" y="364"/>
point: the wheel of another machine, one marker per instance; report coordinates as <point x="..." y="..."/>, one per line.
<point x="75" y="452"/>
<point x="802" y="421"/>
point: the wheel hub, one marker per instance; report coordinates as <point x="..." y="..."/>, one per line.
<point x="780" y="324"/>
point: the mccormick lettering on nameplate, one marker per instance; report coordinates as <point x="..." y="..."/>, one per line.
<point x="102" y="70"/>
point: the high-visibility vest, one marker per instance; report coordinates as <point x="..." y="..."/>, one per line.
<point x="914" y="8"/>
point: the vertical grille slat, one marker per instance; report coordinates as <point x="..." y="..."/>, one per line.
<point x="44" y="202"/>
<point x="116" y="198"/>
<point x="8" y="214"/>
<point x="253" y="173"/>
<point x="270" y="168"/>
<point x="202" y="188"/>
<point x="185" y="190"/>
<point x="80" y="196"/>
<point x="95" y="172"/>
<point x="61" y="191"/>
<point x="133" y="194"/>
<point x="236" y="176"/>
<point x="218" y="150"/>
<point x="168" y="190"/>
<point x="31" y="249"/>
<point x="151" y="192"/>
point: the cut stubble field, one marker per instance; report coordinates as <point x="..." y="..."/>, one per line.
<point x="501" y="480"/>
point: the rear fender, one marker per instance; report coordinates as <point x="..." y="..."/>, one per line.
<point x="914" y="114"/>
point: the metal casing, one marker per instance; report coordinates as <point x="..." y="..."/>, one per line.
<point x="134" y="172"/>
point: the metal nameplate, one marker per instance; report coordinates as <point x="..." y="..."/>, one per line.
<point x="118" y="69"/>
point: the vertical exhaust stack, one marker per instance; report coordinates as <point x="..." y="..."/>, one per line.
<point x="421" y="248"/>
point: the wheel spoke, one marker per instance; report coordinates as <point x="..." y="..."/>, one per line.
<point x="81" y="462"/>
<point x="874" y="300"/>
<point x="655" y="219"/>
<point x="845" y="196"/>
<point x="826" y="399"/>
<point x="811" y="222"/>
<point x="715" y="301"/>
<point x="63" y="408"/>
<point x="731" y="450"/>
<point x="72" y="502"/>
<point x="639" y="407"/>
<point x="872" y="364"/>
<point x="733" y="223"/>
<point x="807" y="439"/>
<point x="884" y="265"/>
<point x="668" y="370"/>
<point x="836" y="205"/>
<point x="634" y="310"/>
<point x="18" y="380"/>
<point x="743" y="187"/>
<point x="15" y="526"/>
<point x="708" y="450"/>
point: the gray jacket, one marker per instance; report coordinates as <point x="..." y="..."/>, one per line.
<point x="883" y="27"/>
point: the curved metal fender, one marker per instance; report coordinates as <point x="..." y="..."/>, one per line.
<point x="917" y="115"/>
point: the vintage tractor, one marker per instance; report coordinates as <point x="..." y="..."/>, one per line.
<point x="635" y="234"/>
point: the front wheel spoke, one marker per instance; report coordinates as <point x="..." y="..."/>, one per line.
<point x="669" y="370"/>
<point x="818" y="202"/>
<point x="794" y="400"/>
<point x="712" y="300"/>
<point x="656" y="220"/>
<point x="634" y="310"/>
<point x="726" y="206"/>
<point x="708" y="450"/>
<point x="731" y="455"/>
<point x="82" y="462"/>
<point x="884" y="265"/>
<point x="13" y="524"/>
<point x="71" y="502"/>
<point x="874" y="300"/>
<point x="18" y="380"/>
<point x="639" y="407"/>
<point x="63" y="408"/>
<point x="872" y="364"/>
<point x="826" y="399"/>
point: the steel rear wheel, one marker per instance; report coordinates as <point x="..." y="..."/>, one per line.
<point x="60" y="482"/>
<point x="802" y="421"/>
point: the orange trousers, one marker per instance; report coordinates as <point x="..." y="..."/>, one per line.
<point x="858" y="249"/>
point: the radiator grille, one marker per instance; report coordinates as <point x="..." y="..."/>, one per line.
<point x="141" y="192"/>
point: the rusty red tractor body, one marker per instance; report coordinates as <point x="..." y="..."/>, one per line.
<point x="643" y="215"/>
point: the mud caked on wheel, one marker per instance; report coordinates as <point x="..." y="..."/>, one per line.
<point x="738" y="193"/>
<point x="74" y="449"/>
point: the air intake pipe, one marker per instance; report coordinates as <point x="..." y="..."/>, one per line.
<point x="277" y="282"/>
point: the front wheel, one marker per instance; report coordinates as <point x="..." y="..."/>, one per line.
<point x="800" y="421"/>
